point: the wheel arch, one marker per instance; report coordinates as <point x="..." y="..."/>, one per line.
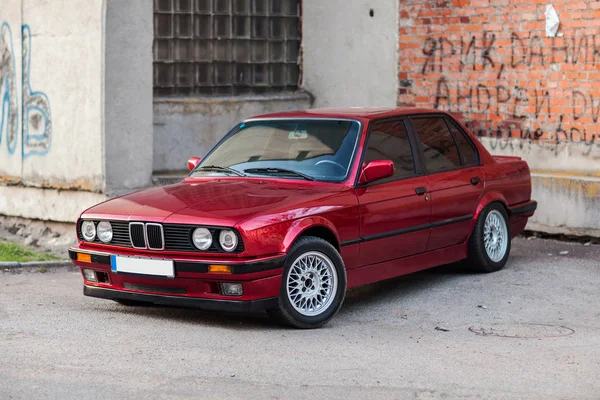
<point x="312" y="226"/>
<point x="486" y="200"/>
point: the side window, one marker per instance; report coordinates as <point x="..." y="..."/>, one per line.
<point x="389" y="141"/>
<point x="467" y="150"/>
<point x="439" y="148"/>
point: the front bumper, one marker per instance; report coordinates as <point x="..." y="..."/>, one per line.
<point x="203" y="303"/>
<point x="192" y="285"/>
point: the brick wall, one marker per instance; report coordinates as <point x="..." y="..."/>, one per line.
<point x="490" y="62"/>
<point x="522" y="93"/>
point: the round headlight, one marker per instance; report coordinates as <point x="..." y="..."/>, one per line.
<point x="88" y="230"/>
<point x="104" y="231"/>
<point x="202" y="238"/>
<point x="228" y="240"/>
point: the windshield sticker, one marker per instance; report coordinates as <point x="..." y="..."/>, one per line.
<point x="295" y="135"/>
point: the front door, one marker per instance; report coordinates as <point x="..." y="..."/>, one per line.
<point x="394" y="212"/>
<point x="454" y="178"/>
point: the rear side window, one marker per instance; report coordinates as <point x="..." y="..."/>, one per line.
<point x="439" y="148"/>
<point x="388" y="140"/>
<point x="467" y="150"/>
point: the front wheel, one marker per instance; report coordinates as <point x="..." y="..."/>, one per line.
<point x="313" y="285"/>
<point x="489" y="245"/>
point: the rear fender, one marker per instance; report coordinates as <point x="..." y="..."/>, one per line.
<point x="487" y="199"/>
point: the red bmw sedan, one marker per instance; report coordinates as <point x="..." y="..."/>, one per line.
<point x="290" y="210"/>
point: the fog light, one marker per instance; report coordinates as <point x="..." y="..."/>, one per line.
<point x="90" y="275"/>
<point x="231" y="289"/>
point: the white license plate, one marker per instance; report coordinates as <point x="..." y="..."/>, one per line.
<point x="143" y="266"/>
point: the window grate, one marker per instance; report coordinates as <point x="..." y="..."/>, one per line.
<point x="226" y="47"/>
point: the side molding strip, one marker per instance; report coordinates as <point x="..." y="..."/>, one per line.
<point x="408" y="230"/>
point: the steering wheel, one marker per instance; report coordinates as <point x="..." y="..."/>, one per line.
<point x="331" y="162"/>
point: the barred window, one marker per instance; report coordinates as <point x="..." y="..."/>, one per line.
<point x="225" y="47"/>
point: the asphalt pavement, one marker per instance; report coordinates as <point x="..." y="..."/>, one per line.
<point x="531" y="331"/>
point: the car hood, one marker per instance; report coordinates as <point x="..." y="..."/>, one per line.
<point x="222" y="202"/>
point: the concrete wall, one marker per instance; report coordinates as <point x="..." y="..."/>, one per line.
<point x="56" y="119"/>
<point x="189" y="127"/>
<point x="128" y="95"/>
<point x="522" y="93"/>
<point x="350" y="57"/>
<point x="57" y="76"/>
<point x="10" y="91"/>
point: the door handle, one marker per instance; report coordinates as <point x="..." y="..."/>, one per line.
<point x="420" y="191"/>
<point x="475" y="180"/>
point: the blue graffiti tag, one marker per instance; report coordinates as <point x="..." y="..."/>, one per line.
<point x="37" y="124"/>
<point x="9" y="110"/>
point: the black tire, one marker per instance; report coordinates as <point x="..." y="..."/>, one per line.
<point x="478" y="259"/>
<point x="285" y="313"/>
<point x="133" y="303"/>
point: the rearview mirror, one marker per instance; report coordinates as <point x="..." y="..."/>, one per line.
<point x="377" y="169"/>
<point x="193" y="163"/>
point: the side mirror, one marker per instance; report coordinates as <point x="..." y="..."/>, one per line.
<point x="377" y="169"/>
<point x="193" y="163"/>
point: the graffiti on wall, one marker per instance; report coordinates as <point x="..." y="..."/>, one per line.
<point x="9" y="122"/>
<point x="542" y="90"/>
<point x="36" y="130"/>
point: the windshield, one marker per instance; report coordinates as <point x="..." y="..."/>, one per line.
<point x="294" y="149"/>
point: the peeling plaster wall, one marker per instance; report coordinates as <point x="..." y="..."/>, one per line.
<point x="75" y="104"/>
<point x="56" y="108"/>
<point x="50" y="108"/>
<point x="10" y="91"/>
<point x="46" y="204"/>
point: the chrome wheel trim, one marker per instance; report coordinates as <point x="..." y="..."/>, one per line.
<point x="495" y="236"/>
<point x="311" y="283"/>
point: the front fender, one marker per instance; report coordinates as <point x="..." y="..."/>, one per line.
<point x="278" y="238"/>
<point x="298" y="227"/>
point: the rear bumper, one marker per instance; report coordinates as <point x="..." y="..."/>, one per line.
<point x="205" y="304"/>
<point x="524" y="209"/>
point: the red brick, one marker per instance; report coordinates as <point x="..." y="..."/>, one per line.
<point x="456" y="19"/>
<point x="577" y="5"/>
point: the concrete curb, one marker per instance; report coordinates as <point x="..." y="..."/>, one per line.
<point x="35" y="264"/>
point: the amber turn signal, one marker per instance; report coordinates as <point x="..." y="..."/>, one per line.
<point x="84" y="257"/>
<point x="221" y="269"/>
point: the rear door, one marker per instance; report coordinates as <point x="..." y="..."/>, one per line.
<point x="454" y="176"/>
<point x="394" y="212"/>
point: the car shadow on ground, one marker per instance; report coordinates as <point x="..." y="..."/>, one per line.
<point x="361" y="297"/>
<point x="403" y="286"/>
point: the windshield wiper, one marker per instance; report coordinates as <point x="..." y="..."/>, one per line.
<point x="220" y="169"/>
<point x="278" y="171"/>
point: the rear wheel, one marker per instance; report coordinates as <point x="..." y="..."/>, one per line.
<point x="313" y="285"/>
<point x="489" y="245"/>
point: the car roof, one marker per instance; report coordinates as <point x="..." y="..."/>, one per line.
<point x="351" y="112"/>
